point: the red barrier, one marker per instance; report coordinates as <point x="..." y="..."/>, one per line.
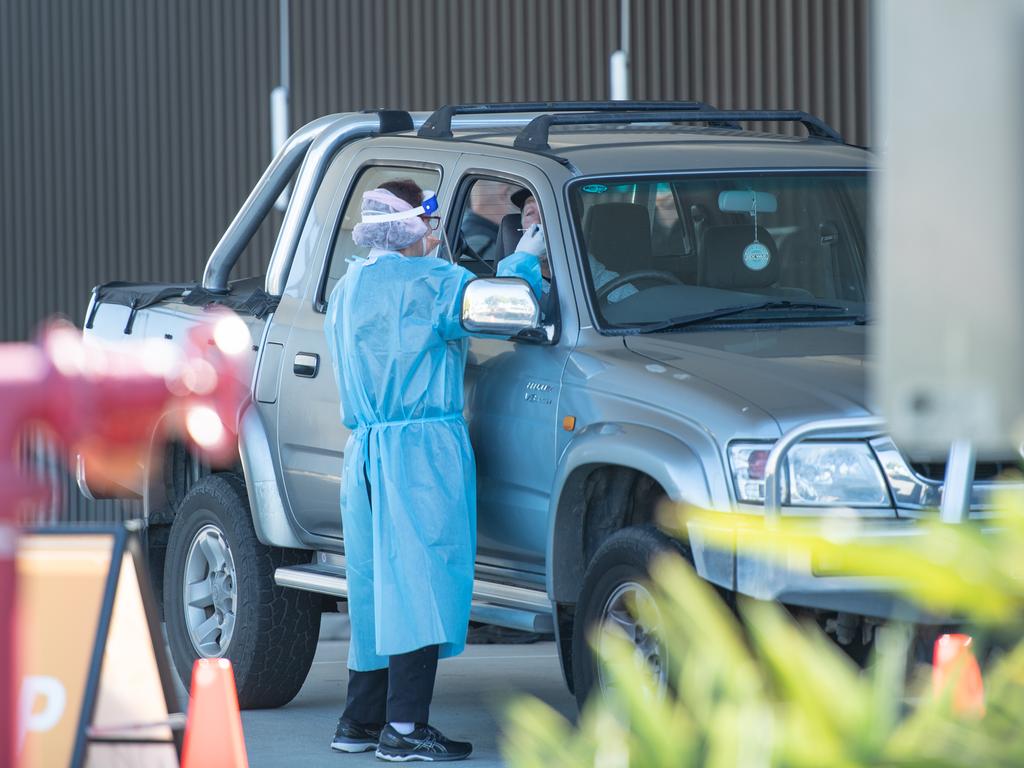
<point x="104" y="403"/>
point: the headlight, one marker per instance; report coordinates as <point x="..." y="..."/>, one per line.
<point x="814" y="475"/>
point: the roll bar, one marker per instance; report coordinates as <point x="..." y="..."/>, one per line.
<point x="310" y="150"/>
<point x="335" y="130"/>
<point x="258" y="204"/>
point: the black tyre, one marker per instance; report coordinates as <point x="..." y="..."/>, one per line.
<point x="615" y="579"/>
<point x="233" y="609"/>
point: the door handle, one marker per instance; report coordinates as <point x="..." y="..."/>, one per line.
<point x="306" y="365"/>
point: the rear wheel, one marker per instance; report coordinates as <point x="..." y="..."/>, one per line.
<point x="220" y="599"/>
<point x="614" y="585"/>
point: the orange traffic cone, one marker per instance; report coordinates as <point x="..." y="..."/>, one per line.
<point x="954" y="665"/>
<point x="213" y="734"/>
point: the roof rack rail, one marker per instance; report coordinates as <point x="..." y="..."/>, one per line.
<point x="439" y="124"/>
<point x="535" y="135"/>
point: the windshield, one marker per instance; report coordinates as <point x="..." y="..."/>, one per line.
<point x="724" y="249"/>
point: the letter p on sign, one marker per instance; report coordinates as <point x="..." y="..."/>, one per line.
<point x="42" y="705"/>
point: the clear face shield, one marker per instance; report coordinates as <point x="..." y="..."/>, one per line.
<point x="421" y="221"/>
<point x="436" y="229"/>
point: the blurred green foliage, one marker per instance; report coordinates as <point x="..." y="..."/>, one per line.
<point x="762" y="689"/>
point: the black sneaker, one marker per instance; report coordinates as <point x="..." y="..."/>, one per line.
<point x="425" y="743"/>
<point x="353" y="737"/>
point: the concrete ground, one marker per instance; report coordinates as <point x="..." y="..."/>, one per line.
<point x="468" y="700"/>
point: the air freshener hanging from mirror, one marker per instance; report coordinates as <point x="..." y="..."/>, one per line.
<point x="756" y="256"/>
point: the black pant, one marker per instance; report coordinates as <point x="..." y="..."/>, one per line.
<point x="399" y="694"/>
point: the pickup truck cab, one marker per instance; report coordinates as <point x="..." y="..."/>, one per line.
<point x="701" y="340"/>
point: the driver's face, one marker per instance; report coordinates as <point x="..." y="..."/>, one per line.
<point x="531" y="212"/>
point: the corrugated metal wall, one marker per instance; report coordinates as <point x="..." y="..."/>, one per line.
<point x="132" y="130"/>
<point x="806" y="54"/>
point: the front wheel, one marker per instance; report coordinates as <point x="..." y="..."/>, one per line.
<point x="615" y="583"/>
<point x="220" y="599"/>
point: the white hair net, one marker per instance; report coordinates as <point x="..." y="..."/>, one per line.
<point x="392" y="234"/>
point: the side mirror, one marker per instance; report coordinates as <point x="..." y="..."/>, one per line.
<point x="503" y="306"/>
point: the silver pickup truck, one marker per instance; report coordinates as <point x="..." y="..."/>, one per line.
<point x="700" y="338"/>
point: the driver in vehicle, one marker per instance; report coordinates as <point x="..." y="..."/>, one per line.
<point x="533" y="245"/>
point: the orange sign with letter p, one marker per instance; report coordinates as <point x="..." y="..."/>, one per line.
<point x="87" y="657"/>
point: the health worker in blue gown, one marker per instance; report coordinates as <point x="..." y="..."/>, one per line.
<point x="408" y="497"/>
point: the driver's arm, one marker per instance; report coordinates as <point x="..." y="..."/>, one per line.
<point x="602" y="276"/>
<point x="525" y="262"/>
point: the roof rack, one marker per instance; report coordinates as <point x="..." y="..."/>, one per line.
<point x="439" y="124"/>
<point x="535" y="135"/>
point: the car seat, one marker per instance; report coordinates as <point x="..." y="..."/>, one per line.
<point x="807" y="262"/>
<point x="619" y="236"/>
<point x="508" y="235"/>
<point x="720" y="264"/>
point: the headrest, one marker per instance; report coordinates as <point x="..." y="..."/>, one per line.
<point x="721" y="262"/>
<point x="619" y="236"/>
<point x="508" y="235"/>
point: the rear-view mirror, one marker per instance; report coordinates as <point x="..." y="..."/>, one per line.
<point x="747" y="201"/>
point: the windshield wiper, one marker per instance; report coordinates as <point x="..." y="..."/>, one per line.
<point x="702" y="317"/>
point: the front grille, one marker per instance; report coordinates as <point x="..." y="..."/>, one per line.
<point x="983" y="470"/>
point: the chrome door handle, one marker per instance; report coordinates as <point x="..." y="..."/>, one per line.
<point x="306" y="365"/>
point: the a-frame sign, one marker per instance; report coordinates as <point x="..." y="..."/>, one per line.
<point x="96" y="688"/>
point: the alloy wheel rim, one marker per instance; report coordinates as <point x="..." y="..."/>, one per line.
<point x="210" y="592"/>
<point x="620" y="610"/>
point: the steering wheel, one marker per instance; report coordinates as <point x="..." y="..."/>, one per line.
<point x="463" y="248"/>
<point x="656" y="275"/>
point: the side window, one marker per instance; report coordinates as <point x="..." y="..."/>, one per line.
<point x="492" y="216"/>
<point x="343" y="248"/>
<point x="482" y="239"/>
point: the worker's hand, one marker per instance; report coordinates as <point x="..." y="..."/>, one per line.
<point x="533" y="241"/>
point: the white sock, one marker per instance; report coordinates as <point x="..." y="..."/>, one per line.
<point x="404" y="728"/>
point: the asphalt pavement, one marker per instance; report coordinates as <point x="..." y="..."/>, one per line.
<point x="471" y="692"/>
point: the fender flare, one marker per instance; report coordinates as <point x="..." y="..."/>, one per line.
<point x="662" y="456"/>
<point x="269" y="514"/>
<point x="269" y="517"/>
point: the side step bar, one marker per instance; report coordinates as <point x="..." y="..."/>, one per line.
<point x="501" y="604"/>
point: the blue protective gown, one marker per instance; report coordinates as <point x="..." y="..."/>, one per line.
<point x="398" y="350"/>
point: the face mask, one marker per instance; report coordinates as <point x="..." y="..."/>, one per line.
<point x="420" y="247"/>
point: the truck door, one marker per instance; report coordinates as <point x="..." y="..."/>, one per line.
<point x="512" y="386"/>
<point x="310" y="433"/>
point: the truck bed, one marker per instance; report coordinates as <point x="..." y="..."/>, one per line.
<point x="122" y="311"/>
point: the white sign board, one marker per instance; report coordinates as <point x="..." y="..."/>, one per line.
<point x="949" y="223"/>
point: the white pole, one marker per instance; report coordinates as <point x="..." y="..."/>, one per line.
<point x="278" y="119"/>
<point x="619" y="62"/>
<point x="619" y="76"/>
